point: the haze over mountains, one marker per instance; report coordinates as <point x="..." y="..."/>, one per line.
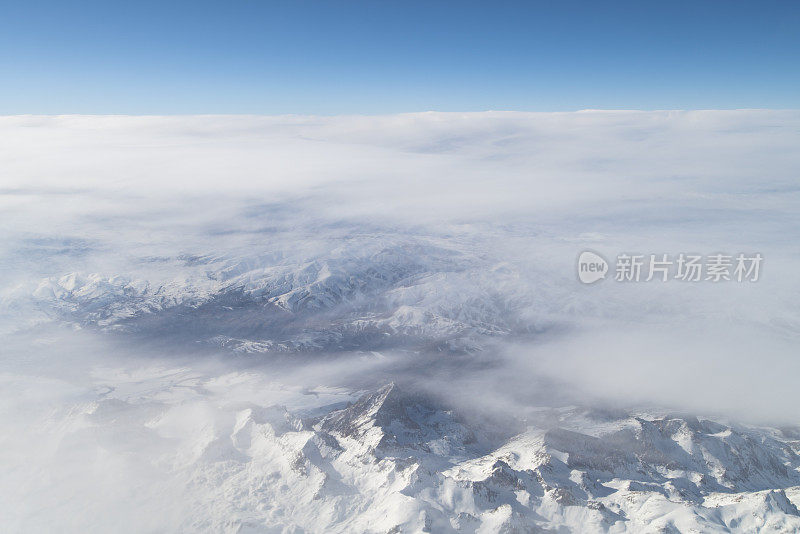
<point x="256" y="324"/>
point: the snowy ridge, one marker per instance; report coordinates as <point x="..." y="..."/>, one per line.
<point x="662" y="472"/>
<point x="391" y="461"/>
<point x="364" y="294"/>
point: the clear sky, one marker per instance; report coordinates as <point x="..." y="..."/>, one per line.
<point x="247" y="56"/>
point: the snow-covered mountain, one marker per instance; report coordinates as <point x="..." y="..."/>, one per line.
<point x="394" y="461"/>
<point x="359" y="293"/>
<point x="573" y="468"/>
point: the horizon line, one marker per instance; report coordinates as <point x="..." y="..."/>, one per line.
<point x="424" y="112"/>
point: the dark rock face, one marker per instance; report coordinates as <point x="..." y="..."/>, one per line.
<point x="401" y="422"/>
<point x="382" y="408"/>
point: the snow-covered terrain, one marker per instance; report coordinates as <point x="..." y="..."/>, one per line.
<point x="373" y="324"/>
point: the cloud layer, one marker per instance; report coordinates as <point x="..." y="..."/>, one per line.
<point x="198" y="260"/>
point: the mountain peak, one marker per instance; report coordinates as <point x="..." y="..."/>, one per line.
<point x="382" y="408"/>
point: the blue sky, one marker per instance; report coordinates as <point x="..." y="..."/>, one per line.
<point x="246" y="56"/>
